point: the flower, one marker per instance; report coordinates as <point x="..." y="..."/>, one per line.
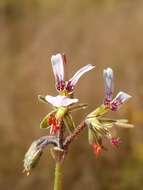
<point x="58" y="101"/>
<point x="58" y="61"/>
<point x="109" y="102"/>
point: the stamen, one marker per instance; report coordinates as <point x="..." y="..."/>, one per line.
<point x="115" y="141"/>
<point x="54" y="125"/>
<point x="97" y="148"/>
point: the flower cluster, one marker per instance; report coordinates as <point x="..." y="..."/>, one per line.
<point x="59" y="121"/>
<point x="99" y="126"/>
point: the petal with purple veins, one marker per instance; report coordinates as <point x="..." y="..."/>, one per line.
<point x="72" y="82"/>
<point x="58" y="69"/>
<point x="108" y="84"/>
<point x="121" y="98"/>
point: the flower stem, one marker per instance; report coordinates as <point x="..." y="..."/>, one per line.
<point x="58" y="176"/>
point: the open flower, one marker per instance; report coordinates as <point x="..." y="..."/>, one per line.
<point x="58" y="61"/>
<point x="109" y="102"/>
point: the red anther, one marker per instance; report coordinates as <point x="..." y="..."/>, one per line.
<point x="52" y="121"/>
<point x="54" y="125"/>
<point x="54" y="129"/>
<point x="97" y="148"/>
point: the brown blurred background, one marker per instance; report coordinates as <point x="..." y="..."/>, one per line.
<point x="108" y="33"/>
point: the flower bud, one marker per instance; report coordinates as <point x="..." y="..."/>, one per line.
<point x="32" y="157"/>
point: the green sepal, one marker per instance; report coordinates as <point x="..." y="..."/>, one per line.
<point x="68" y="122"/>
<point x="97" y="126"/>
<point x="119" y="122"/>
<point x="61" y="111"/>
<point x="91" y="138"/>
<point x="41" y="98"/>
<point x="77" y="107"/>
<point x="123" y="123"/>
<point x="107" y="122"/>
<point x="44" y="123"/>
<point x="101" y="110"/>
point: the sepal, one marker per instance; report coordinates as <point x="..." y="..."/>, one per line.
<point x="44" y="123"/>
<point x="68" y="122"/>
<point x="98" y="112"/>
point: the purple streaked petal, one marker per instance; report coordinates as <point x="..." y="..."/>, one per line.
<point x="72" y="82"/>
<point x="121" y="98"/>
<point x="108" y="84"/>
<point x="58" y="69"/>
<point x="58" y="101"/>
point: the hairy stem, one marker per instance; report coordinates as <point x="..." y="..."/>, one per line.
<point x="76" y="132"/>
<point x="58" y="176"/>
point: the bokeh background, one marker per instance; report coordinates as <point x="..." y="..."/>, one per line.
<point x="108" y="33"/>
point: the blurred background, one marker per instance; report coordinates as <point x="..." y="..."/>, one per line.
<point x="108" y="33"/>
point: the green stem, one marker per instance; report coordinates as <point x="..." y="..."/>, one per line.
<point x="58" y="176"/>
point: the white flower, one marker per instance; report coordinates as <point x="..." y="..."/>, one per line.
<point x="58" y="69"/>
<point x="121" y="97"/>
<point x="59" y="100"/>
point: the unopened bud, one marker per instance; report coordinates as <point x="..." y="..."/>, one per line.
<point x="32" y="157"/>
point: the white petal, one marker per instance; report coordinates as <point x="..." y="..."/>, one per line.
<point x="58" y="67"/>
<point x="58" y="101"/>
<point x="108" y="83"/>
<point x="121" y="98"/>
<point x="72" y="82"/>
